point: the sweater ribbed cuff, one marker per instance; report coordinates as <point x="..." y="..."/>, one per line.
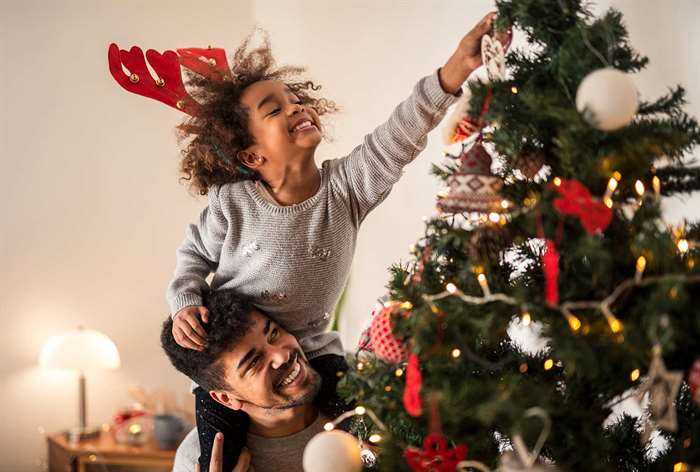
<point x="184" y="300"/>
<point x="437" y="94"/>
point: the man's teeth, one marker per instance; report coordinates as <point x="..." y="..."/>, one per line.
<point x="303" y="125"/>
<point x="292" y="375"/>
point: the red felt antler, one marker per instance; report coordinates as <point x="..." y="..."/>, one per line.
<point x="167" y="87"/>
<point x="209" y="62"/>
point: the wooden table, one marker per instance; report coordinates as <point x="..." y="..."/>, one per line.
<point x="105" y="454"/>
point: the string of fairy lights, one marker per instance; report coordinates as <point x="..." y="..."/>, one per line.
<point x="566" y="308"/>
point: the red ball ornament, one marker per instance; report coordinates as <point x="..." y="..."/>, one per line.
<point x="385" y="344"/>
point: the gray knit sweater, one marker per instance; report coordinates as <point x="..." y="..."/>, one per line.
<point x="294" y="260"/>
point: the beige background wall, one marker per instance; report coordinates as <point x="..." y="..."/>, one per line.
<point x="90" y="204"/>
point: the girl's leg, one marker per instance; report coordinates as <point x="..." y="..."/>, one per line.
<point x="328" y="367"/>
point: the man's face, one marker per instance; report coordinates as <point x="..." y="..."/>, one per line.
<point x="268" y="370"/>
<point x="281" y="126"/>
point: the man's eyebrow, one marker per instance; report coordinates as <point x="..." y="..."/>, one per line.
<point x="249" y="355"/>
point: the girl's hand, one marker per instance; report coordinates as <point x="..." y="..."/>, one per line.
<point x="467" y="57"/>
<point x="243" y="464"/>
<point x="187" y="330"/>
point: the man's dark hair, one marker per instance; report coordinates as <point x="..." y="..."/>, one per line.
<point x="229" y="321"/>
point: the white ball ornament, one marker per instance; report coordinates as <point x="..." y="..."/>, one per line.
<point x="333" y="450"/>
<point x="610" y="96"/>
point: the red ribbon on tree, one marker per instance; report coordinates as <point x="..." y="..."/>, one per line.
<point x="550" y="266"/>
<point x="414" y="382"/>
<point x="435" y="456"/>
<point x="577" y="201"/>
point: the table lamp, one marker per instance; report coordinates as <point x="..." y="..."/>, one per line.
<point x="81" y="350"/>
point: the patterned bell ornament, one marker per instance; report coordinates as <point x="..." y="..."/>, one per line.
<point x="473" y="188"/>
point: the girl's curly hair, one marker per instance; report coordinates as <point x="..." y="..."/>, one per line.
<point x="220" y="129"/>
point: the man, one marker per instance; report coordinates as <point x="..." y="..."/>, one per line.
<point x="252" y="365"/>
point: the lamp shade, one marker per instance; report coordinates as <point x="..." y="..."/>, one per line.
<point x="81" y="349"/>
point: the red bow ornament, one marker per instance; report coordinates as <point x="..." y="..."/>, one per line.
<point x="577" y="201"/>
<point x="435" y="456"/>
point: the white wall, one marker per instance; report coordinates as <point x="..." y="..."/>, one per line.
<point x="91" y="208"/>
<point x="90" y="204"/>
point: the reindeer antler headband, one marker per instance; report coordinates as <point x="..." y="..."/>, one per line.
<point x="168" y="87"/>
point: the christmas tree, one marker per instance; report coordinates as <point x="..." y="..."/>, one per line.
<point x="551" y="219"/>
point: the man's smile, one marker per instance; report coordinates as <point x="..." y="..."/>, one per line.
<point x="294" y="375"/>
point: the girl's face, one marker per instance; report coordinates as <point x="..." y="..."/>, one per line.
<point x="284" y="131"/>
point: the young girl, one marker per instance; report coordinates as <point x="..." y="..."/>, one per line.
<point x="278" y="228"/>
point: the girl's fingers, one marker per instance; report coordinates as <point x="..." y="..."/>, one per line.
<point x="217" y="453"/>
<point x="487" y="22"/>
<point x="205" y="314"/>
<point x="182" y="339"/>
<point x="197" y="468"/>
<point x="185" y="342"/>
<point x="194" y="324"/>
<point x="190" y="333"/>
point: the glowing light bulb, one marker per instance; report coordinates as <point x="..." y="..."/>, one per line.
<point x="656" y="185"/>
<point x="641" y="263"/>
<point x="398" y="372"/>
<point x="481" y="278"/>
<point x="548" y="364"/>
<point x="375" y="438"/>
<point x="452" y="288"/>
<point x="360" y="410"/>
<point x="456" y="353"/>
<point x="683" y="245"/>
<point x="639" y="187"/>
<point x="523" y="368"/>
<point x="360" y="366"/>
<point x="557" y="181"/>
<point x="328" y="426"/>
<point x="494" y="217"/>
<point x="612" y="185"/>
<point x="639" y="269"/>
<point x="574" y="323"/>
<point x="526" y="318"/>
<point x="514" y="89"/>
<point x="615" y="324"/>
<point x="634" y="375"/>
<point x="406" y="305"/>
<point x="681" y="467"/>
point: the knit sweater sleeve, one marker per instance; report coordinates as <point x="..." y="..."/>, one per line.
<point x="198" y="256"/>
<point x="367" y="174"/>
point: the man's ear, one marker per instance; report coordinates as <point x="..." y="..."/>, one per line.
<point x="250" y="159"/>
<point x="226" y="399"/>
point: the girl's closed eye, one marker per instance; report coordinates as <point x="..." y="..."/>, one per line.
<point x="277" y="110"/>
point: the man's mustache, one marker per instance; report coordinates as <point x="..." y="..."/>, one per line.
<point x="285" y="369"/>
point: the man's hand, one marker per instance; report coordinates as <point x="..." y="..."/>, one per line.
<point x="187" y="330"/>
<point x="217" y="458"/>
<point x="467" y="57"/>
